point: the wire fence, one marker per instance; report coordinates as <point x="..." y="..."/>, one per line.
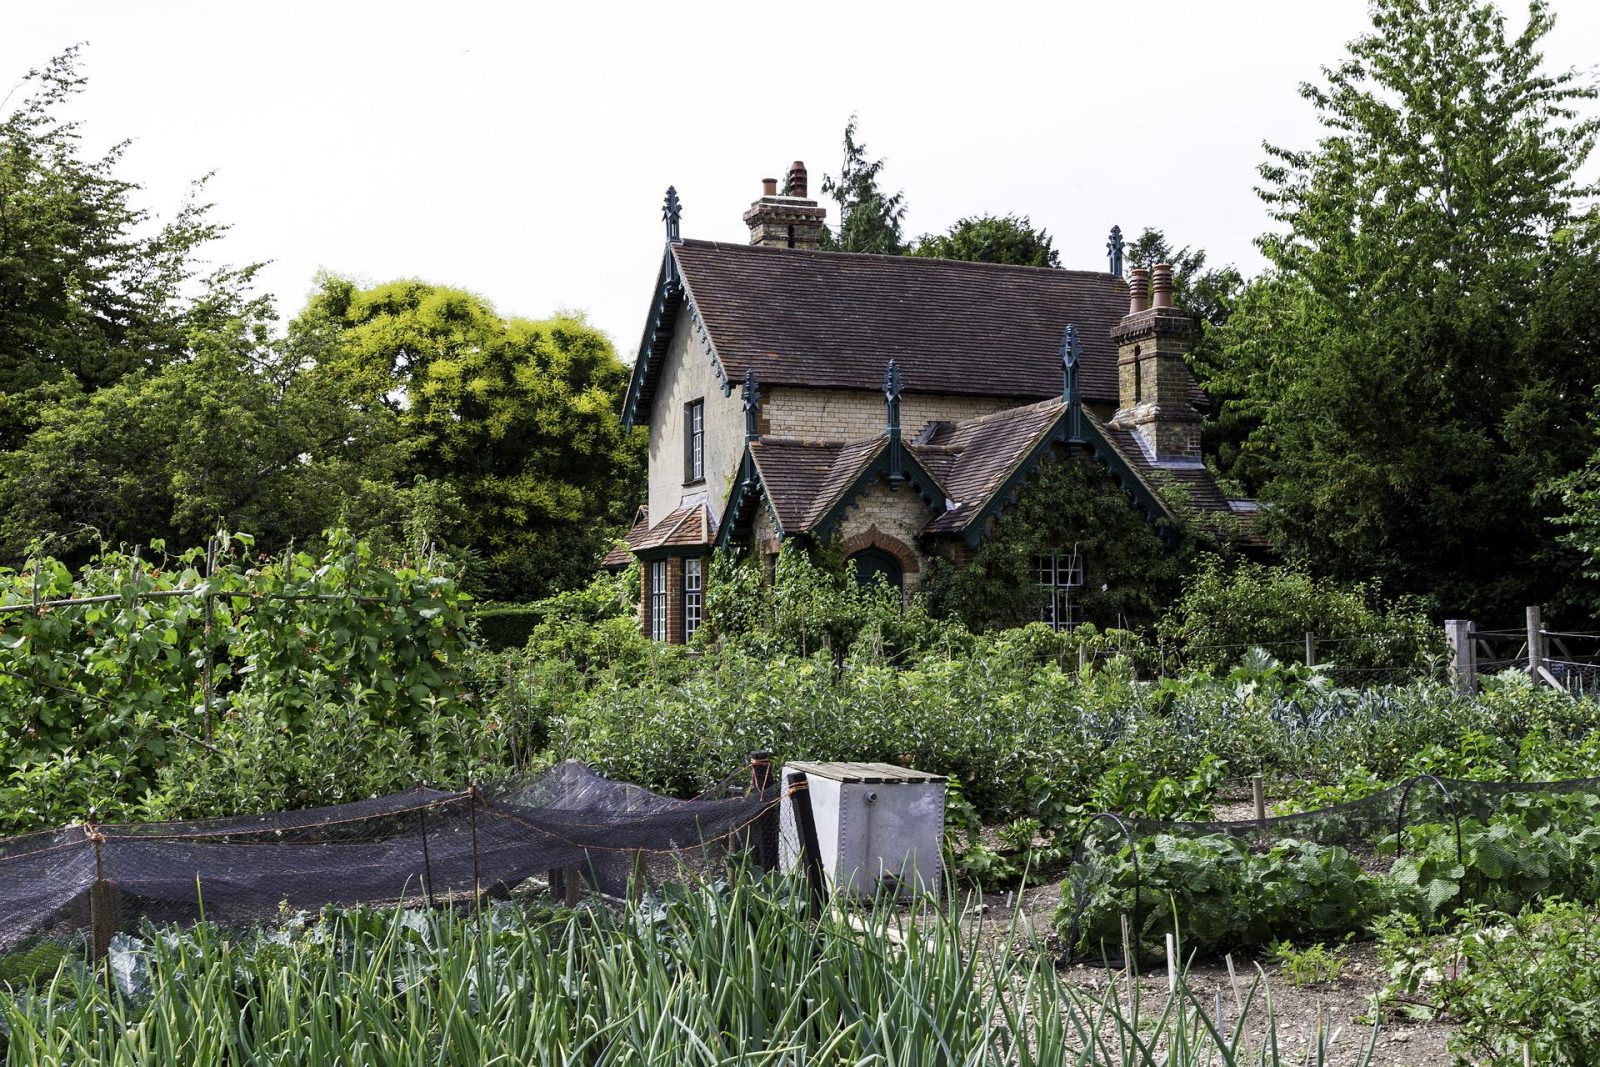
<point x="1423" y="846"/>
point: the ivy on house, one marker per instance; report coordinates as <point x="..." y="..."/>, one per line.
<point x="1068" y="505"/>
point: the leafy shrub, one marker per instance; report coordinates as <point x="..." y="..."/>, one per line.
<point x="97" y="699"/>
<point x="1224" y="611"/>
<point x="1313" y="965"/>
<point x="502" y="626"/>
<point x="1520" y="988"/>
<point x="1223" y="895"/>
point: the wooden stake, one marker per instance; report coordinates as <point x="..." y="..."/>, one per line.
<point x="1233" y="980"/>
<point x="1258" y="794"/>
<point x="1127" y="952"/>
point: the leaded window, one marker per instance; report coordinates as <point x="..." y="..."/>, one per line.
<point x="1060" y="575"/>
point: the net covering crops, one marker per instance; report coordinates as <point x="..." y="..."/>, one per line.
<point x="418" y="845"/>
<point x="1422" y="847"/>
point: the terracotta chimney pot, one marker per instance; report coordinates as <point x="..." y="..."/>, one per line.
<point x="1161" y="286"/>
<point x="1138" y="290"/>
<point x="797" y="179"/>
<point x="769" y="187"/>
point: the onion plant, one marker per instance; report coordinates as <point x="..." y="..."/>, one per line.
<point x="728" y="974"/>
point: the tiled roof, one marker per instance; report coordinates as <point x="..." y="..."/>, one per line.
<point x="687" y="527"/>
<point x="973" y="458"/>
<point x="834" y="319"/>
<point x="1192" y="477"/>
<point x="622" y="555"/>
<point x="805" y="478"/>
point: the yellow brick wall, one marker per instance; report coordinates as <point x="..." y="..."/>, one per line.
<point x="843" y="415"/>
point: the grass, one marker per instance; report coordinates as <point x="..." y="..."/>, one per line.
<point x="734" y="974"/>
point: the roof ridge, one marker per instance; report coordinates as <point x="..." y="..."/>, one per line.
<point x="888" y="257"/>
<point x="994" y="416"/>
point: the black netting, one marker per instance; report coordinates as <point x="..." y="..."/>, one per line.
<point x="1424" y="846"/>
<point x="570" y="826"/>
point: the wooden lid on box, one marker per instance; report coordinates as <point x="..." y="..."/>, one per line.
<point x="863" y="772"/>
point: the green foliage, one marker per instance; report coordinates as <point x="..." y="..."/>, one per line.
<point x="1407" y="368"/>
<point x="1314" y="965"/>
<point x="92" y="287"/>
<point x="1519" y="988"/>
<point x="519" y="417"/>
<point x="240" y="430"/>
<point x="991" y="239"/>
<point x="1225" y="610"/>
<point x="870" y="219"/>
<point x="1067" y="506"/>
<point x="815" y="602"/>
<point x="322" y="665"/>
<point x="708" y="976"/>
<point x="1225" y="896"/>
<point x="503" y="626"/>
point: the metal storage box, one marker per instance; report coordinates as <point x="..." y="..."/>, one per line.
<point x="878" y="826"/>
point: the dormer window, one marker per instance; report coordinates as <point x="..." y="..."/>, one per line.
<point x="694" y="440"/>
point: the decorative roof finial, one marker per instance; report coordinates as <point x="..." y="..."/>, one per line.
<point x="1114" y="250"/>
<point x="672" y="211"/>
<point x="751" y="395"/>
<point x="1071" y="355"/>
<point x="891" y="397"/>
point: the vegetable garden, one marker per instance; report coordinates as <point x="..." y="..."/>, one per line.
<point x="332" y="679"/>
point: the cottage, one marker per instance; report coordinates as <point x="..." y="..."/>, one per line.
<point x="891" y="405"/>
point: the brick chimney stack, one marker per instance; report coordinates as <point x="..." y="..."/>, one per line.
<point x="1153" y="380"/>
<point x="787" y="220"/>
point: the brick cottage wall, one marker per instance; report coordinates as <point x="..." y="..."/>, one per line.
<point x="842" y="415"/>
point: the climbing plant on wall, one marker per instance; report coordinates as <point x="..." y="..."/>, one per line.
<point x="1068" y="505"/>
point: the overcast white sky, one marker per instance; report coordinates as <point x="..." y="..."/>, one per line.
<point x="521" y="150"/>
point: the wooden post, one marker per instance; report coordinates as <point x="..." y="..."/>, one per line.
<point x="205" y="678"/>
<point x="764" y="831"/>
<point x="1311" y="650"/>
<point x="1536" y="652"/>
<point x="427" y="862"/>
<point x="1258" y="794"/>
<point x="472" y="817"/>
<point x="1083" y="658"/>
<point x="1463" y="654"/>
<point x="810" y="850"/>
<point x="100" y="902"/>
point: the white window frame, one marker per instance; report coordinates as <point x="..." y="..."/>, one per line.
<point x="658" y="599"/>
<point x="693" y="592"/>
<point x="695" y="449"/>
<point x="1060" y="574"/>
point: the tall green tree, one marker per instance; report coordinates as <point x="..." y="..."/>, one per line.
<point x="519" y="417"/>
<point x="92" y="287"/>
<point x="1408" y="365"/>
<point x="241" y="433"/>
<point x="870" y="219"/>
<point x="991" y="239"/>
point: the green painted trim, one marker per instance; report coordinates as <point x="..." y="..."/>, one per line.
<point x="1099" y="448"/>
<point x="917" y="476"/>
<point x="748" y="481"/>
